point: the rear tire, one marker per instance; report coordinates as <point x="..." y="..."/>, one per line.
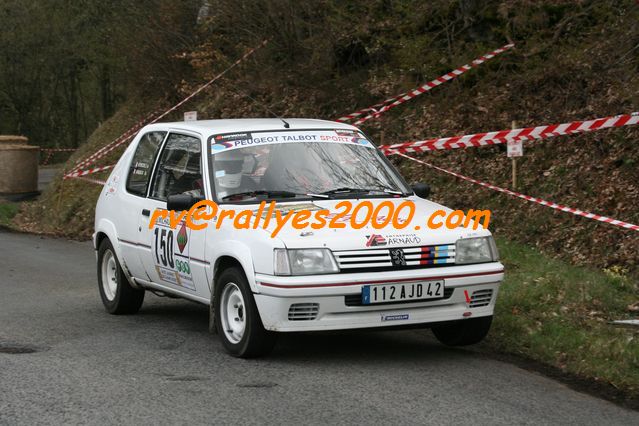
<point x="117" y="294"/>
<point x="237" y="319"/>
<point x="464" y="332"/>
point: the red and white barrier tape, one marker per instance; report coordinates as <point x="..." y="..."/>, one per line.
<point x="550" y="204"/>
<point x="96" y="181"/>
<point x="123" y="138"/>
<point x="99" y="153"/>
<point x="88" y="171"/>
<point x="389" y="103"/>
<point x="51" y="151"/>
<point x="503" y="136"/>
<point x="131" y="132"/>
<point x="47" y="158"/>
<point x="213" y="80"/>
<point x="374" y="108"/>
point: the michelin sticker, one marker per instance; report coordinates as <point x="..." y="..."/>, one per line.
<point x="394" y="317"/>
<point x="241" y="140"/>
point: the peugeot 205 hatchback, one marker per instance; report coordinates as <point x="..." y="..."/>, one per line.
<point x="257" y="285"/>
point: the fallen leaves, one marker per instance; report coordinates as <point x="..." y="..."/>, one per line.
<point x="634" y="307"/>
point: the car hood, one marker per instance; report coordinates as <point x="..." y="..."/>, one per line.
<point x="416" y="233"/>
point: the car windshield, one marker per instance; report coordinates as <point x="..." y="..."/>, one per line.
<point x="294" y="164"/>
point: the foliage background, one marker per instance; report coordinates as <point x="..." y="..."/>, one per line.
<point x="574" y="60"/>
<point x="66" y="65"/>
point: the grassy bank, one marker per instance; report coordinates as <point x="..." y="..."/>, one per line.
<point x="7" y="212"/>
<point x="558" y="314"/>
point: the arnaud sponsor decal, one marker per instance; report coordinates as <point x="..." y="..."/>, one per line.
<point x="403" y="239"/>
<point x="375" y="240"/>
<point x="395" y="317"/>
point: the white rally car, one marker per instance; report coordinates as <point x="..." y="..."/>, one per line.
<point x="301" y="280"/>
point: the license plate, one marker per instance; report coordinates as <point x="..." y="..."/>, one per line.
<point x="400" y="292"/>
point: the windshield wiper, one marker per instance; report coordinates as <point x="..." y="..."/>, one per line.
<point x="348" y="190"/>
<point x="325" y="194"/>
<point x="277" y="194"/>
<point x="273" y="194"/>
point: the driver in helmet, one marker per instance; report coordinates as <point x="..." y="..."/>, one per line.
<point x="230" y="168"/>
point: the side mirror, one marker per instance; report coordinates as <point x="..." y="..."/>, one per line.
<point x="181" y="202"/>
<point x="421" y="190"/>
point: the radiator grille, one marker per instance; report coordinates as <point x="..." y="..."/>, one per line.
<point x="303" y="311"/>
<point x="356" y="299"/>
<point x="395" y="258"/>
<point x="481" y="298"/>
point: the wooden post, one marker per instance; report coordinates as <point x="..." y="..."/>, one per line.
<point x="514" y="126"/>
<point x="381" y="131"/>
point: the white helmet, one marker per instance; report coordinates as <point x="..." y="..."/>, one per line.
<point x="228" y="168"/>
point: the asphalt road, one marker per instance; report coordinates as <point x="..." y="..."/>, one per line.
<point x="161" y="366"/>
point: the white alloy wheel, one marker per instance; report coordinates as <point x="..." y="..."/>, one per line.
<point x="233" y="313"/>
<point x="109" y="275"/>
<point x="237" y="319"/>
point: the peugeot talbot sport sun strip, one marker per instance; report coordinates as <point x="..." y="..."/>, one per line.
<point x="322" y="279"/>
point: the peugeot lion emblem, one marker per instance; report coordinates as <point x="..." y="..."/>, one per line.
<point x="397" y="257"/>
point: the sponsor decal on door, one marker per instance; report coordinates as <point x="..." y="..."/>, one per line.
<point x="171" y="254"/>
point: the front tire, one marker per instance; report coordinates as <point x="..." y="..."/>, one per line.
<point x="117" y="294"/>
<point x="464" y="332"/>
<point x="237" y="319"/>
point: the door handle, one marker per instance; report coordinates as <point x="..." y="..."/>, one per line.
<point x="146" y="212"/>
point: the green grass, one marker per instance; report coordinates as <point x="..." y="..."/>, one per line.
<point x="7" y="212"/>
<point x="559" y="314"/>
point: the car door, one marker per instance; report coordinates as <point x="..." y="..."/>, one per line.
<point x="132" y="202"/>
<point x="166" y="254"/>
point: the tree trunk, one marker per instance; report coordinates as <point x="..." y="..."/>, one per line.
<point x="106" y="92"/>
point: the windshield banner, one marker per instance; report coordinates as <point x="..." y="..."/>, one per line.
<point x="229" y="141"/>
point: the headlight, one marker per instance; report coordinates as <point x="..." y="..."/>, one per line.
<point x="476" y="250"/>
<point x="304" y="262"/>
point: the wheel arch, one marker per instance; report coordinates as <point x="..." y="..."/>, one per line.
<point x="223" y="263"/>
<point x="99" y="237"/>
<point x="233" y="254"/>
<point x="105" y="229"/>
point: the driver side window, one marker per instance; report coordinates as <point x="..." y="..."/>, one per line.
<point x="179" y="170"/>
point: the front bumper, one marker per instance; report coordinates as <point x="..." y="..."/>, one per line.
<point x="327" y="296"/>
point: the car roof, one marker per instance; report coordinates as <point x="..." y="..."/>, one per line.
<point x="207" y="128"/>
